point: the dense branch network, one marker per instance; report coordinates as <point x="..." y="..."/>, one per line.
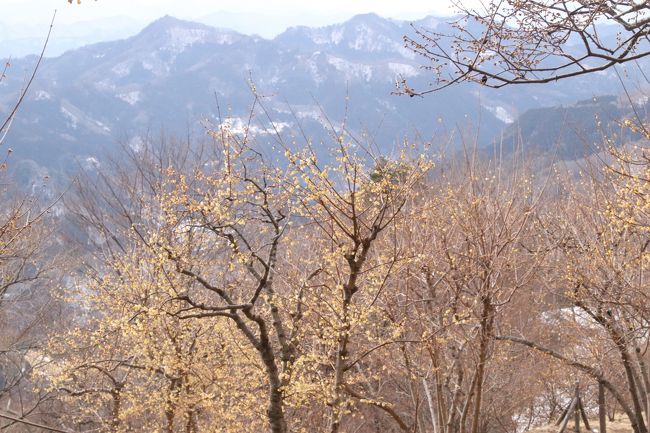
<point x="516" y="42"/>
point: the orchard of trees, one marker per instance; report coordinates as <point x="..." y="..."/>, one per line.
<point x="229" y="286"/>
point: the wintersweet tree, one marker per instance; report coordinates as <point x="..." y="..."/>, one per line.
<point x="629" y="172"/>
<point x="209" y="241"/>
<point x="477" y="256"/>
<point x="597" y="325"/>
<point x="28" y="269"/>
<point x="506" y="42"/>
<point x="351" y="214"/>
<point x="26" y="272"/>
<point x="214" y="226"/>
<point x="130" y="363"/>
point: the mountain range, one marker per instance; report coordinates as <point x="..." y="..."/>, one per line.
<point x="22" y="39"/>
<point x="175" y="75"/>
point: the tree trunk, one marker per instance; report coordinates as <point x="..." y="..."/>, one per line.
<point x="339" y="368"/>
<point x="275" y="411"/>
<point x="117" y="407"/>
<point x="602" y="409"/>
<point x="487" y="318"/>
<point x="169" y="410"/>
<point x="356" y="260"/>
<point x="646" y="383"/>
<point x="638" y="424"/>
<point x="432" y="411"/>
<point x="450" y="425"/>
<point x="468" y="402"/>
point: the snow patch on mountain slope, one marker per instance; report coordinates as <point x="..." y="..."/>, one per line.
<point x="91" y="162"/>
<point x="73" y="121"/>
<point x="403" y="69"/>
<point x="157" y="66"/>
<point x="336" y="36"/>
<point x="130" y="98"/>
<point x="105" y="85"/>
<point x="327" y="36"/>
<point x="240" y="126"/>
<point x="103" y="127"/>
<point x="368" y="39"/>
<point x="42" y="95"/>
<point x="501" y="113"/>
<point x="321" y="38"/>
<point x="136" y="144"/>
<point x="351" y="70"/>
<point x="314" y="71"/>
<point x="147" y="65"/>
<point x="181" y="38"/>
<point x="121" y="69"/>
<point x="309" y="113"/>
<point x="77" y="118"/>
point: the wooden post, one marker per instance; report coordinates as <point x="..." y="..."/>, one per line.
<point x="584" y="416"/>
<point x="602" y="410"/>
<point x="567" y="417"/>
<point x="565" y="413"/>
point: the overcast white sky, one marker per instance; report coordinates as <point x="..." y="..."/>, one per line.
<point x="31" y="11"/>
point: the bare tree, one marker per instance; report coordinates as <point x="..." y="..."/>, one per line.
<point x="508" y="42"/>
<point x="5" y="124"/>
<point x="27" y="265"/>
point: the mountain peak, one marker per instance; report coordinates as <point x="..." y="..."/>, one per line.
<point x="177" y="34"/>
<point x="167" y="22"/>
<point x="364" y="32"/>
<point x="369" y="17"/>
<point x="430" y="22"/>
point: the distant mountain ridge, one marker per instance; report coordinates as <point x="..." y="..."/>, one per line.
<point x="167" y="76"/>
<point x="20" y="39"/>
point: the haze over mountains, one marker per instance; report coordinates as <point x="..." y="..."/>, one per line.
<point x="166" y="77"/>
<point x="22" y="39"/>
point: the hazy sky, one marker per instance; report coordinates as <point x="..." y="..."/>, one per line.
<point x="24" y="23"/>
<point x="37" y="11"/>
